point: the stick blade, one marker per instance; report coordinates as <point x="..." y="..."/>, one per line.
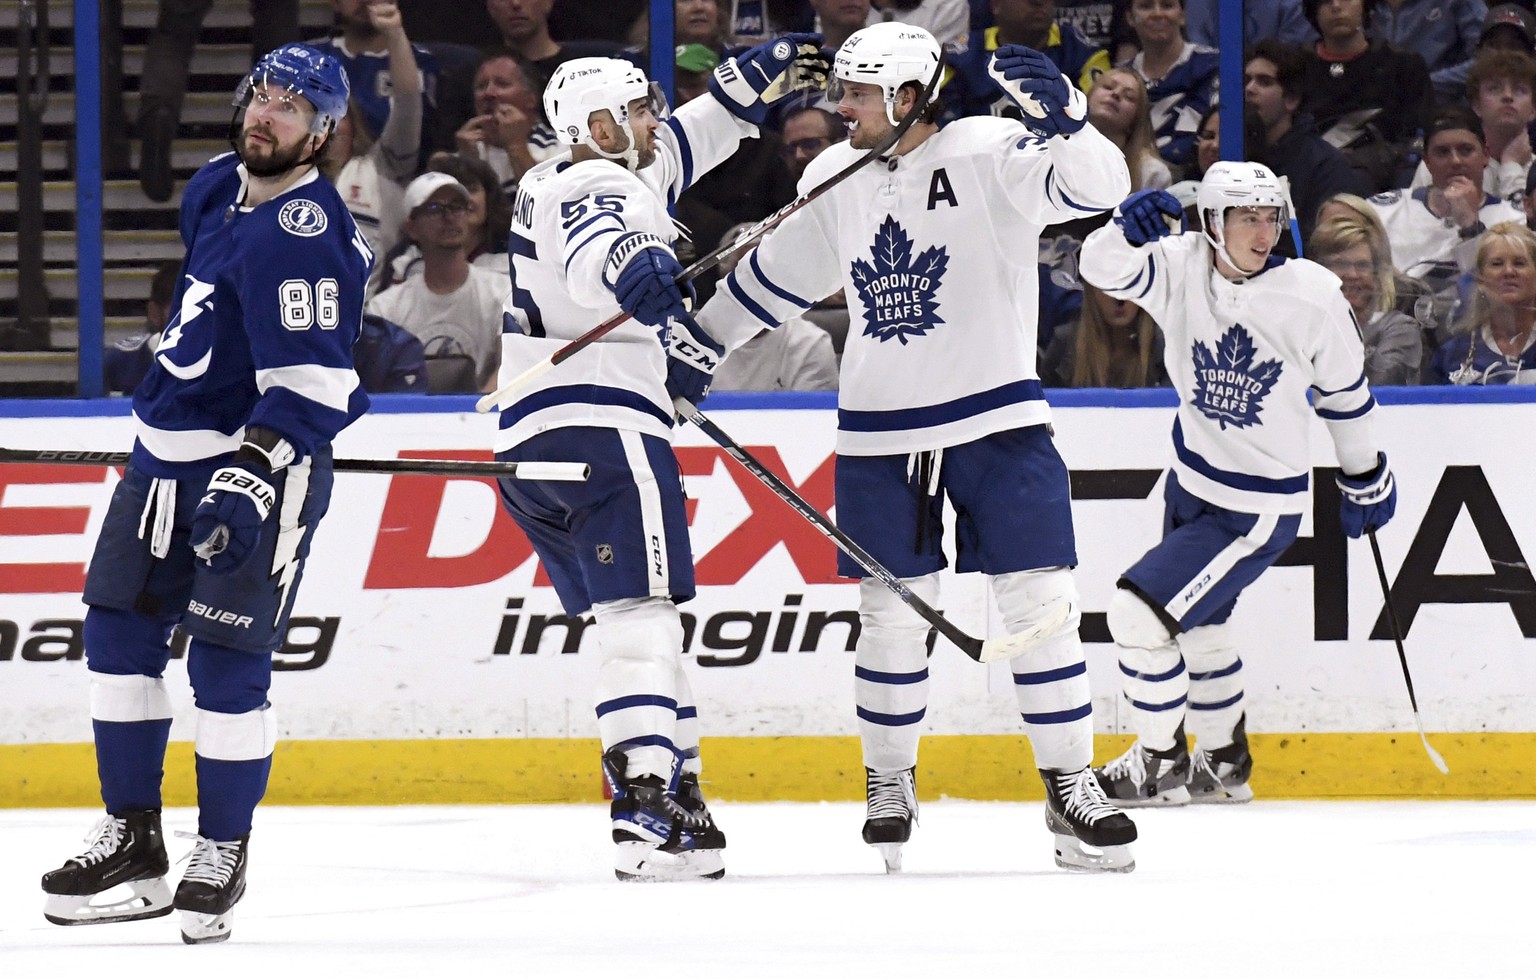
<point x="1434" y="756"/>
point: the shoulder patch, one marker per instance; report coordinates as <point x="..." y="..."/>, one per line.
<point x="302" y="217"/>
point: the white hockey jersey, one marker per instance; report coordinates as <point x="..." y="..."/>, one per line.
<point x="1243" y="356"/>
<point x="936" y="251"/>
<point x="1427" y="247"/>
<point x="565" y="218"/>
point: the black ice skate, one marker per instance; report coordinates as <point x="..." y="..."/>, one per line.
<point x="660" y="837"/>
<point x="1221" y="774"/>
<point x="691" y="797"/>
<point x="1091" y="834"/>
<point x="214" y="881"/>
<point x="891" y="801"/>
<point x="126" y="850"/>
<point x="1144" y="777"/>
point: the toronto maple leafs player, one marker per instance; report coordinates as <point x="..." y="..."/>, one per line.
<point x="230" y="474"/>
<point x="935" y="246"/>
<point x="591" y="236"/>
<point x="1248" y="336"/>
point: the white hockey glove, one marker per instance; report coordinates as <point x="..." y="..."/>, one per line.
<point x="1052" y="105"/>
<point x="226" y="527"/>
<point x="752" y="81"/>
<point x="1368" y="500"/>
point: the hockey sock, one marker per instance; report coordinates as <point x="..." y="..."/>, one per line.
<point x="1156" y="691"/>
<point x="1215" y="684"/>
<point x="891" y="674"/>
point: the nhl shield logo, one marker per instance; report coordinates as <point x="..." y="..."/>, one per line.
<point x="302" y="218"/>
<point x="605" y="554"/>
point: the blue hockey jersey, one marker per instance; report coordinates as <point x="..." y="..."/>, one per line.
<point x="264" y="320"/>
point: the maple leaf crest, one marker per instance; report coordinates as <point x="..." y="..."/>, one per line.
<point x="1229" y="387"/>
<point x="897" y="290"/>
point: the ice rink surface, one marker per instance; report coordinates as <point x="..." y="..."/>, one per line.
<point x="1297" y="889"/>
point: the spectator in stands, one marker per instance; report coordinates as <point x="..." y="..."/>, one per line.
<point x="797" y="356"/>
<point x="1180" y="77"/>
<point x="524" y="26"/>
<point x="453" y="307"/>
<point x="1433" y="229"/>
<point x="1272" y="76"/>
<point x="750" y="185"/>
<point x="705" y="22"/>
<point x="836" y="20"/>
<point x="1499" y="88"/>
<point x="1207" y="152"/>
<point x="1263" y="20"/>
<point x="508" y="130"/>
<point x="163" y="83"/>
<point x="1359" y="254"/>
<point x="808" y="131"/>
<point x="1114" y="344"/>
<point x="1509" y="27"/>
<point x="1367" y="98"/>
<point x="486" y="224"/>
<point x="1528" y="202"/>
<point x="1412" y="297"/>
<point x="1497" y="341"/>
<point x="972" y="92"/>
<point x="618" y="21"/>
<point x="1442" y="32"/>
<point x="371" y="44"/>
<point x="389" y="359"/>
<point x="947" y="20"/>
<point x="125" y="362"/>
<point x="1118" y="108"/>
<point x="755" y="21"/>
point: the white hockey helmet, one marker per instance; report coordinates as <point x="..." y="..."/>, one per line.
<point x="583" y="86"/>
<point x="1228" y="184"/>
<point x="889" y="55"/>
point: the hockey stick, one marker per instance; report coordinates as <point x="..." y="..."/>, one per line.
<point x="496" y="397"/>
<point x="573" y="472"/>
<point x="1402" y="657"/>
<point x="982" y="651"/>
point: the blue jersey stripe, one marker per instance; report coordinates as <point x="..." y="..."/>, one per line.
<point x="1240" y="481"/>
<point x="582" y="394"/>
<point x="685" y="152"/>
<point x="751" y="305"/>
<point x="1358" y="381"/>
<point x="687" y="713"/>
<point x="928" y="416"/>
<point x="1338" y="416"/>
<point x="773" y="287"/>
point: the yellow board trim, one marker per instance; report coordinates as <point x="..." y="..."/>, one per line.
<point x="540" y="770"/>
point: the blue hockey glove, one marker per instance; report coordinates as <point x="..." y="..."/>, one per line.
<point x="1144" y="215"/>
<point x="642" y="272"/>
<point x="1052" y="105"/>
<point x="226" y="526"/>
<point x="692" y="357"/>
<point x="1368" y="500"/>
<point x="755" y="79"/>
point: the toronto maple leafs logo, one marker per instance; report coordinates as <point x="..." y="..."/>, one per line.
<point x="897" y="290"/>
<point x="1229" y="387"/>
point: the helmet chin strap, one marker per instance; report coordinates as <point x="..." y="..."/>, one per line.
<point x="629" y="156"/>
<point x="1221" y="249"/>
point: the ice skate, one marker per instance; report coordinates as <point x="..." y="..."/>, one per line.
<point x="126" y="856"/>
<point x="691" y="797"/>
<point x="658" y="836"/>
<point x="890" y="814"/>
<point x="1091" y="834"/>
<point x="1221" y="774"/>
<point x="213" y="883"/>
<point x="1143" y="777"/>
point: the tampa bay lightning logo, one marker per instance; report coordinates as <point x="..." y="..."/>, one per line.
<point x="897" y="290"/>
<point x="1229" y="387"/>
<point x="302" y="218"/>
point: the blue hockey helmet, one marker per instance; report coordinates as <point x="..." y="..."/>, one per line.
<point x="306" y="71"/>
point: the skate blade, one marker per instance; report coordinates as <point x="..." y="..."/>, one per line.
<point x="891" y="854"/>
<point x="146" y="899"/>
<point x="643" y="862"/>
<point x="205" y="929"/>
<point x="1176" y="796"/>
<point x="1075" y="855"/>
<point x="1236" y="795"/>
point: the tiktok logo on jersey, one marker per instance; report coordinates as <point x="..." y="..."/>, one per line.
<point x="897" y="290"/>
<point x="1229" y="386"/>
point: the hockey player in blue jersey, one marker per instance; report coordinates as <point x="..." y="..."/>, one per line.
<point x="940" y="400"/>
<point x="591" y="236"/>
<point x="229" y="475"/>
<point x="1248" y="336"/>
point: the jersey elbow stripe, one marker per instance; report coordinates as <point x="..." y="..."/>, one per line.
<point x="684" y="153"/>
<point x="328" y="386"/>
<point x="574" y="232"/>
<point x="878" y="676"/>
<point x="774" y="287"/>
<point x="890" y="720"/>
<point x="1332" y="415"/>
<point x="928" y="416"/>
<point x="594" y="236"/>
<point x="733" y="285"/>
<point x="1059" y="716"/>
<point x="1344" y="390"/>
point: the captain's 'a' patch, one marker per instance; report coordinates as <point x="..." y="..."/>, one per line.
<point x="897" y="290"/>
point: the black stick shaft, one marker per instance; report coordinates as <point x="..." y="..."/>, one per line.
<point x="1397" y="630"/>
<point x="401" y="467"/>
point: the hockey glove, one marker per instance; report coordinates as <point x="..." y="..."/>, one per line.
<point x="1144" y="216"/>
<point x="642" y="272"/>
<point x="752" y="81"/>
<point x="1052" y="105"/>
<point x="1368" y="500"/>
<point x="692" y="357"/>
<point x="226" y="526"/>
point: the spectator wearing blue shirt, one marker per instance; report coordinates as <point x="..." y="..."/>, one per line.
<point x="1181" y="77"/>
<point x="1032" y="23"/>
<point x="1444" y="33"/>
<point x="1281" y="20"/>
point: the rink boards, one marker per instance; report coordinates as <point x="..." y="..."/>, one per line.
<point x="428" y="660"/>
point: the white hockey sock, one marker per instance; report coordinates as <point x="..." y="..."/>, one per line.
<point x="1156" y="690"/>
<point x="1050" y="681"/>
<point x="1215" y="684"/>
<point x="637" y="696"/>
<point x="891" y="674"/>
